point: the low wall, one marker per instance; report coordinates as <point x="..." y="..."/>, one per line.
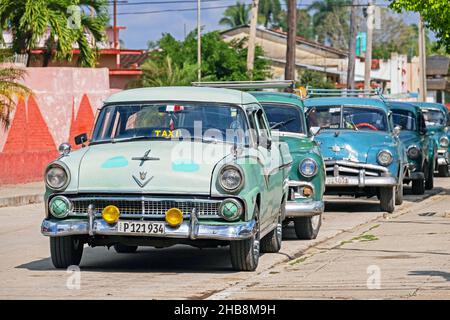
<point x="63" y="105"/>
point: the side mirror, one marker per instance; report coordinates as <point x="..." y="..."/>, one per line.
<point x="81" y="139"/>
<point x="396" y="131"/>
<point x="314" y="130"/>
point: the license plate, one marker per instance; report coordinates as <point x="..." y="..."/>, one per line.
<point x="336" y="180"/>
<point x="141" y="227"/>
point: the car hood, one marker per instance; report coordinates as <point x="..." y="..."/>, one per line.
<point x="175" y="167"/>
<point x="350" y="145"/>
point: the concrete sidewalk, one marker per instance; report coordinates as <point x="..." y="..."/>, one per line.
<point x="21" y="194"/>
<point x="401" y="257"/>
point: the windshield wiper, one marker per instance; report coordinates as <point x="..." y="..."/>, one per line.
<point x="282" y="123"/>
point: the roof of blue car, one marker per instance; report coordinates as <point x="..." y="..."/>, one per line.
<point x="333" y="101"/>
<point x="186" y="94"/>
<point x="282" y="97"/>
<point x="431" y="105"/>
<point x="399" y="105"/>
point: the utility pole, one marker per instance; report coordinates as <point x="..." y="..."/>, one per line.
<point x="252" y="37"/>
<point x="352" y="48"/>
<point x="115" y="36"/>
<point x="289" y="73"/>
<point x="368" y="58"/>
<point x="422" y="63"/>
<point x="199" y="44"/>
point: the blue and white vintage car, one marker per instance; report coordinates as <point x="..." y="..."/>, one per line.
<point x="360" y="146"/>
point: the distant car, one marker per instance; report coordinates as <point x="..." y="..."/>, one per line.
<point x="362" y="151"/>
<point x="166" y="166"/>
<point x="437" y="120"/>
<point x="305" y="204"/>
<point x="420" y="149"/>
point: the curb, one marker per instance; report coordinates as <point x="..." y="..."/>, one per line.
<point x="22" y="200"/>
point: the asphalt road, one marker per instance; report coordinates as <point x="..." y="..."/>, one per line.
<point x="323" y="268"/>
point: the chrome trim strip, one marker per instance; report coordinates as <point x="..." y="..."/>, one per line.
<point x="366" y="181"/>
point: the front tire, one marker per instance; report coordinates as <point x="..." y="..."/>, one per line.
<point x="245" y="253"/>
<point x="307" y="228"/>
<point x="418" y="186"/>
<point x="387" y="199"/>
<point x="271" y="243"/>
<point x="65" y="251"/>
<point x="429" y="179"/>
<point x="443" y="171"/>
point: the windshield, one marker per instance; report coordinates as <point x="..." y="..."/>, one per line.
<point x="434" y="117"/>
<point x="285" y="118"/>
<point x="405" y="119"/>
<point x="347" y="117"/>
<point x="171" y="120"/>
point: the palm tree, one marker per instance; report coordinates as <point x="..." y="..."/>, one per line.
<point x="330" y="21"/>
<point x="31" y="20"/>
<point x="159" y="73"/>
<point x="236" y="15"/>
<point x="10" y="89"/>
<point x="268" y="11"/>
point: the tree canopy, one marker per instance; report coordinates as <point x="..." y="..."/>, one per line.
<point x="435" y="13"/>
<point x="68" y="22"/>
<point x="220" y="61"/>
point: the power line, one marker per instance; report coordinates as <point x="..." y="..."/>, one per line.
<point x="172" y="10"/>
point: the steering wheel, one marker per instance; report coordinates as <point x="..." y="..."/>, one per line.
<point x="366" y="125"/>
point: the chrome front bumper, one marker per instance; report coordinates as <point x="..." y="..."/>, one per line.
<point x="304" y="209"/>
<point x="187" y="230"/>
<point x="360" y="181"/>
<point x="443" y="157"/>
<point x="366" y="175"/>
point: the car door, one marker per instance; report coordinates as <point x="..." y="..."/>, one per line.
<point x="272" y="162"/>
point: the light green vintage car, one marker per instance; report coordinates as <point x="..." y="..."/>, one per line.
<point x="166" y="166"/>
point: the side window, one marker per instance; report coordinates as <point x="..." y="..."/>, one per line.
<point x="263" y="129"/>
<point x="421" y="123"/>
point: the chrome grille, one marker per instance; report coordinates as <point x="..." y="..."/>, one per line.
<point x="151" y="208"/>
<point x="345" y="168"/>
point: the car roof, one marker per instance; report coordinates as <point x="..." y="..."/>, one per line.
<point x="431" y="105"/>
<point x="282" y="97"/>
<point x="400" y="105"/>
<point x="185" y="94"/>
<point x="330" y="101"/>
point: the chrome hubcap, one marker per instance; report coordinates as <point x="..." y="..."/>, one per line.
<point x="315" y="220"/>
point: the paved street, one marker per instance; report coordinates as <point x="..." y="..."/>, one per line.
<point x="407" y="254"/>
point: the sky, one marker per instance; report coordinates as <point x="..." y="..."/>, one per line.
<point x="142" y="26"/>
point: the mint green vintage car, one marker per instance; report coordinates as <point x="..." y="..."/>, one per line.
<point x="305" y="204"/>
<point x="166" y="166"/>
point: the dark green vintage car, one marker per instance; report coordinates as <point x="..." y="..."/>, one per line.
<point x="437" y="120"/>
<point x="420" y="149"/>
<point x="287" y="120"/>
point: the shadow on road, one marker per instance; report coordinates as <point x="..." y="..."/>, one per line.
<point x="430" y="273"/>
<point x="177" y="259"/>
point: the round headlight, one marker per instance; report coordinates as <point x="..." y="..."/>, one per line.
<point x="308" y="167"/>
<point x="56" y="176"/>
<point x="230" y="209"/>
<point x="443" y="141"/>
<point x="60" y="206"/>
<point x="384" y="158"/>
<point x="231" y="178"/>
<point x="413" y="152"/>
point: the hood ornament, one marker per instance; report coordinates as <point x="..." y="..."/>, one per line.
<point x="142" y="182"/>
<point x="144" y="158"/>
<point x="335" y="148"/>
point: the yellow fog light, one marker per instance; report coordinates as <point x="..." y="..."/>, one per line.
<point x="307" y="191"/>
<point x="111" y="214"/>
<point x="174" y="217"/>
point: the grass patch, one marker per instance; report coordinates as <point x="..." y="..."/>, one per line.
<point x="363" y="237"/>
<point x="298" y="260"/>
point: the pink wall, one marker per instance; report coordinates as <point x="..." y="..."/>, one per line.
<point x="64" y="103"/>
